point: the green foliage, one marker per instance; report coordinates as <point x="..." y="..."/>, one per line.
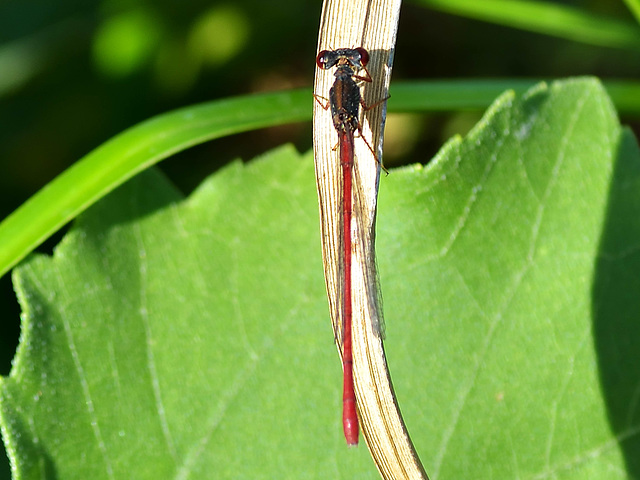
<point x="190" y="338"/>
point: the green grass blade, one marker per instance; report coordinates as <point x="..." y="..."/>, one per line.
<point x="132" y="151"/>
<point x="549" y="19"/>
<point x="447" y="95"/>
<point x="143" y="145"/>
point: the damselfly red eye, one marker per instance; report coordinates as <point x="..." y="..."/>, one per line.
<point x="322" y="60"/>
<point x="364" y="56"/>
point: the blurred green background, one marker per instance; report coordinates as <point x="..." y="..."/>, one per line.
<point x="75" y="73"/>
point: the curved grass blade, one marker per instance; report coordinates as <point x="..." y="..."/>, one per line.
<point x="130" y="152"/>
<point x="145" y="144"/>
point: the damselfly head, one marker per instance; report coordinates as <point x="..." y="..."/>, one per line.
<point x="355" y="57"/>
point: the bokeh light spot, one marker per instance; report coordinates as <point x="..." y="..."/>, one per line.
<point x="125" y="43"/>
<point x="218" y="35"/>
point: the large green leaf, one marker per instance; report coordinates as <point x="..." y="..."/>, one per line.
<point x="509" y="268"/>
<point x="190" y="338"/>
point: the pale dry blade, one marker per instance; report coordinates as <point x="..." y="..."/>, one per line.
<point x="372" y="25"/>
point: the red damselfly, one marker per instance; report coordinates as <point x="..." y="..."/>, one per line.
<point x="344" y="102"/>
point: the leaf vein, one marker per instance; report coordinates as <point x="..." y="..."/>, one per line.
<point x="149" y="343"/>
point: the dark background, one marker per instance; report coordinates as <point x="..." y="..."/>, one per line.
<point x="74" y="73"/>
